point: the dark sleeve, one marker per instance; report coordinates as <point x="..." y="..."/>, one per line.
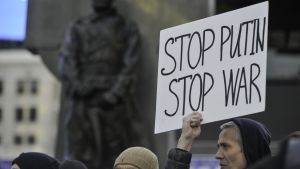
<point x="69" y="64"/>
<point x="127" y="76"/>
<point x="178" y="159"/>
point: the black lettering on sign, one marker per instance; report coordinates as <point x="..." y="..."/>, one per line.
<point x="181" y="47"/>
<point x="246" y="82"/>
<point x="252" y="79"/>
<point x="171" y="56"/>
<point x="176" y="96"/>
<point x="204" y="40"/>
<point x="189" y="48"/>
<point x="206" y="83"/>
<point x="184" y="91"/>
<point x="223" y="28"/>
<point x="239" y="43"/>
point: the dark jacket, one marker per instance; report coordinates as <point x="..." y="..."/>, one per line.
<point x="287" y="157"/>
<point x="178" y="159"/>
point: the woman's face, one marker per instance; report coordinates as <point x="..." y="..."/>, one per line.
<point x="15" y="166"/>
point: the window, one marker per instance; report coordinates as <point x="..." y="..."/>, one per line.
<point x="20" y="87"/>
<point x="19" y="114"/>
<point x="31" y="139"/>
<point x="0" y="139"/>
<point x="34" y="87"/>
<point x="32" y="114"/>
<point x="17" y="140"/>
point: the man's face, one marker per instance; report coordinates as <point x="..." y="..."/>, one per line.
<point x="229" y="151"/>
<point x="125" y="166"/>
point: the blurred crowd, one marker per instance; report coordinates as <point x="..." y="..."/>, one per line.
<point x="243" y="143"/>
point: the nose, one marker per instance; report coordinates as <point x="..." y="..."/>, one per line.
<point x="219" y="154"/>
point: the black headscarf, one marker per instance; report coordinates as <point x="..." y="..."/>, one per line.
<point x="256" y="139"/>
<point x="35" y="160"/>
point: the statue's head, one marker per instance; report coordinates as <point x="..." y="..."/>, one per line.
<point x="102" y="3"/>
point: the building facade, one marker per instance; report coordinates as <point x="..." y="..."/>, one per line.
<point x="29" y="104"/>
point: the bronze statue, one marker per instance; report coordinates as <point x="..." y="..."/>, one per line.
<point x="97" y="64"/>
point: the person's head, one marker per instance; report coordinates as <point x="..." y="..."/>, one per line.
<point x="72" y="164"/>
<point x="230" y="149"/>
<point x="33" y="160"/>
<point x="242" y="142"/>
<point x="286" y="158"/>
<point x="136" y="158"/>
<point x="101" y="4"/>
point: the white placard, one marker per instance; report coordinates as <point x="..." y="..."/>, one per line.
<point x="215" y="65"/>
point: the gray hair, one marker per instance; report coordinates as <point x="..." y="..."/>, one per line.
<point x="238" y="136"/>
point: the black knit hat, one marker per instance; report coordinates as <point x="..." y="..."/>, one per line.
<point x="35" y="160"/>
<point x="256" y="139"/>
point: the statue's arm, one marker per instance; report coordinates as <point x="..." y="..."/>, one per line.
<point x="69" y="64"/>
<point x="128" y="74"/>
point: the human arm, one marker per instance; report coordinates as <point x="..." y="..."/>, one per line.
<point x="180" y="157"/>
<point x="191" y="129"/>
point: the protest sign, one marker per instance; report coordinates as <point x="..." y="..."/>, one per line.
<point x="216" y="65"/>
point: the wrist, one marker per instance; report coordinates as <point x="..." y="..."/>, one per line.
<point x="184" y="144"/>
